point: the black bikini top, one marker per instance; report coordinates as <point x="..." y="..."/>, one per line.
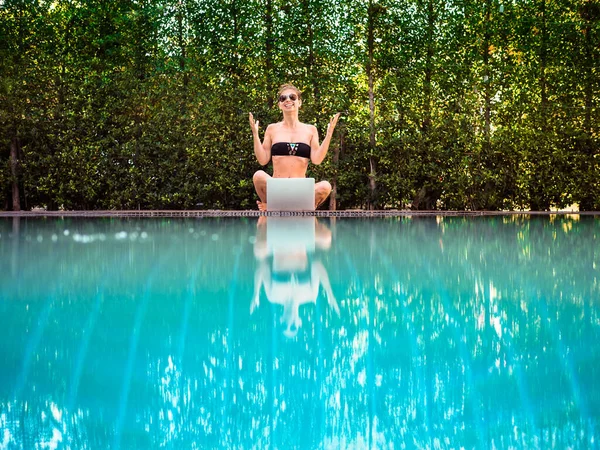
<point x="289" y="149"/>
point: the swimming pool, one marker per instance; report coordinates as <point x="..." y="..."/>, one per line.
<point x="300" y="332"/>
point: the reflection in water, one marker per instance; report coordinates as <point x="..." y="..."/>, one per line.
<point x="288" y="268"/>
<point x="415" y="332"/>
<point x="16" y="222"/>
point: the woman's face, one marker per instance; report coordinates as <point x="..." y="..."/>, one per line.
<point x="288" y="100"/>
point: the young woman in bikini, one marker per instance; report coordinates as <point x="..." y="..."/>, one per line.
<point x="290" y="144"/>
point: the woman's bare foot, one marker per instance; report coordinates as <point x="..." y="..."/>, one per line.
<point x="261" y="206"/>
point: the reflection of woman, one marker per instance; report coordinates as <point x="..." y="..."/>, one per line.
<point x="291" y="144"/>
<point x="291" y="278"/>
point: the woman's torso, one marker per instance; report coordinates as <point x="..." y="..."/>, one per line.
<point x="290" y="165"/>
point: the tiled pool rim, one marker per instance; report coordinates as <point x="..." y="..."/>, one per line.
<point x="255" y="213"/>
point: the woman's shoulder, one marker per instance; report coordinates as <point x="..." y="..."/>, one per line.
<point x="274" y="126"/>
<point x="310" y="127"/>
<point x="271" y="128"/>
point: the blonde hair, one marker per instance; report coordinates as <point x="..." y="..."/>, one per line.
<point x="290" y="87"/>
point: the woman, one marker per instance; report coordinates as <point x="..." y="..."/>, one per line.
<point x="291" y="144"/>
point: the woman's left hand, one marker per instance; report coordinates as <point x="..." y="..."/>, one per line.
<point x="332" y="123"/>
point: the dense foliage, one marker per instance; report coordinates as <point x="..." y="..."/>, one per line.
<point x="457" y="104"/>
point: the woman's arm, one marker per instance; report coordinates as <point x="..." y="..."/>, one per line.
<point x="262" y="151"/>
<point x="261" y="273"/>
<point x="319" y="276"/>
<point x="318" y="152"/>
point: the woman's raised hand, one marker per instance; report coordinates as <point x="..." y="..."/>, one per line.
<point x="332" y="123"/>
<point x="253" y="123"/>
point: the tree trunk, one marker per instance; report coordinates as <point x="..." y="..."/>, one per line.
<point x="427" y="90"/>
<point x="311" y="66"/>
<point x="336" y="158"/>
<point x="269" y="47"/>
<point x="486" y="76"/>
<point x="14" y="170"/>
<point x="313" y="76"/>
<point x="480" y="201"/>
<point x="182" y="46"/>
<point x="543" y="66"/>
<point x="589" y="195"/>
<point x="540" y="198"/>
<point x="140" y="48"/>
<point x="589" y="65"/>
<point x="372" y="161"/>
<point x="424" y="198"/>
<point x="235" y="50"/>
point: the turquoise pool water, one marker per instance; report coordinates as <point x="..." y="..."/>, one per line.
<point x="283" y="333"/>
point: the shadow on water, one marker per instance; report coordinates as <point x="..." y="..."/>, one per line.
<point x="416" y="332"/>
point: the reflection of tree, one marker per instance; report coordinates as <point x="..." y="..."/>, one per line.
<point x="470" y="294"/>
<point x="470" y="330"/>
<point x="78" y="292"/>
<point x="43" y="424"/>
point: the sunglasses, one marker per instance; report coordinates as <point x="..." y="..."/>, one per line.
<point x="292" y="97"/>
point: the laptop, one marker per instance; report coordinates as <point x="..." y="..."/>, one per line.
<point x="291" y="194"/>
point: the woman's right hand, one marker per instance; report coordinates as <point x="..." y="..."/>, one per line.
<point x="253" y="124"/>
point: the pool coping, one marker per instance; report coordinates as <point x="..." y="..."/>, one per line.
<point x="254" y="213"/>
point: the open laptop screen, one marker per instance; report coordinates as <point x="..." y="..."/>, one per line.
<point x="291" y="194"/>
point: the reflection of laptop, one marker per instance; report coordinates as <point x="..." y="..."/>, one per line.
<point x="291" y="194"/>
<point x="289" y="234"/>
